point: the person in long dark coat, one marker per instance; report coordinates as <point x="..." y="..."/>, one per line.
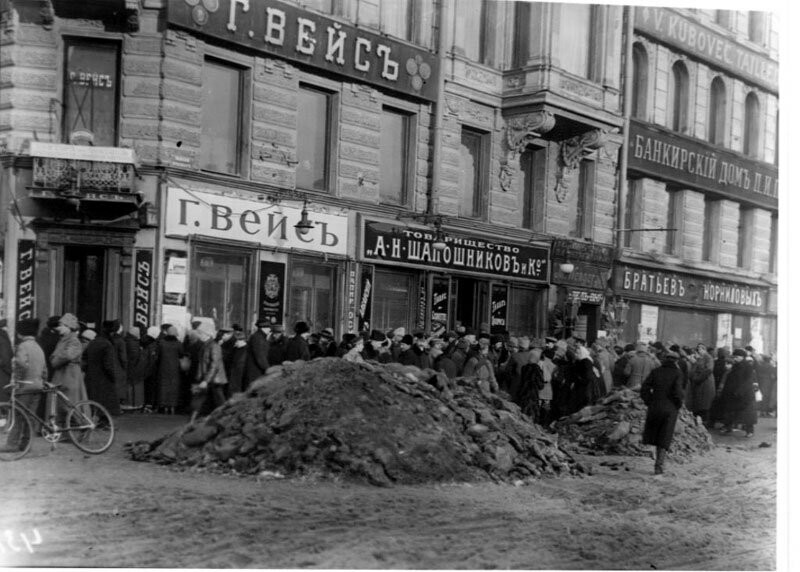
<point x="102" y="371"/>
<point x="148" y="367"/>
<point x="170" y="351"/>
<point x="587" y="384"/>
<point x="257" y="351"/>
<point x="276" y="354"/>
<point x="6" y="357"/>
<point x="48" y="339"/>
<point x="738" y="395"/>
<point x="662" y="392"/>
<point x="297" y="346"/>
<point x="702" y="384"/>
<point x="121" y="358"/>
<point x="133" y="351"/>
<point x="237" y="379"/>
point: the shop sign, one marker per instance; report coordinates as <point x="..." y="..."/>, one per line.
<point x="697" y="40"/>
<point x="692" y="290"/>
<point x="285" y="31"/>
<point x="583" y="275"/>
<point x="365" y="303"/>
<point x="26" y="260"/>
<point x="175" y="279"/>
<point x="143" y="278"/>
<point x="664" y="154"/>
<point x="565" y="250"/>
<point x="440" y="305"/>
<point x="351" y="298"/>
<point x="414" y="247"/>
<point x="585" y="297"/>
<point x="272" y="283"/>
<point x="499" y="308"/>
<point x="261" y="222"/>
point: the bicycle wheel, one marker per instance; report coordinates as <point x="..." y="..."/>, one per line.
<point x="15" y="435"/>
<point x="90" y="427"/>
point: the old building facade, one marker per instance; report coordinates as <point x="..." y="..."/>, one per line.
<point x="354" y="164"/>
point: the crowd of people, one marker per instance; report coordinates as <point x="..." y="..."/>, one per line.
<point x="547" y="377"/>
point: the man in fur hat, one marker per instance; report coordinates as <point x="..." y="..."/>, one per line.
<point x="297" y="346"/>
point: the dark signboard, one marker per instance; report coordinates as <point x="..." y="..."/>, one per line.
<point x="414" y="247"/>
<point x="663" y="154"/>
<point x="365" y="303"/>
<point x="272" y="282"/>
<point x="583" y="275"/>
<point x="670" y="27"/>
<point x="26" y="261"/>
<point x="287" y="31"/>
<point x="499" y="308"/>
<point x="565" y="249"/>
<point x="688" y="289"/>
<point x="142" y="287"/>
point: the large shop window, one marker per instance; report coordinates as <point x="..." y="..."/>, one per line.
<point x="313" y="139"/>
<point x="640" y="69"/>
<point x="685" y="327"/>
<point x="395" y="144"/>
<point x="220" y="145"/>
<point x="219" y="282"/>
<point x="525" y="311"/>
<point x="533" y="164"/>
<point x="312" y="295"/>
<point x="576" y="37"/>
<point x="395" y="299"/>
<point x="91" y="90"/>
<point x="474" y="149"/>
<point x="717" y="111"/>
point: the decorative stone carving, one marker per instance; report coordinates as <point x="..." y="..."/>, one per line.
<point x="520" y="131"/>
<point x="571" y="152"/>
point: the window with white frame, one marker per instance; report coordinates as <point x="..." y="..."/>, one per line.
<point x="581" y="219"/>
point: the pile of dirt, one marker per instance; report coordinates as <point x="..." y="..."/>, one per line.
<point x="383" y="424"/>
<point x="615" y="423"/>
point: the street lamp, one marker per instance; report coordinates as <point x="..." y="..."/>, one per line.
<point x="304" y="226"/>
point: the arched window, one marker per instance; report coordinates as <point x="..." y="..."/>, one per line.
<point x="717" y="112"/>
<point x="639" y="103"/>
<point x="752" y="112"/>
<point x="679" y="95"/>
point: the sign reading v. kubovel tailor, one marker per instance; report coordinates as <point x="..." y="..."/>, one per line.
<point x="290" y="32"/>
<point x="411" y="246"/>
<point x="261" y="222"/>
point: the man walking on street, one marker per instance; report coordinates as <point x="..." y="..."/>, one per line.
<point x="662" y="392"/>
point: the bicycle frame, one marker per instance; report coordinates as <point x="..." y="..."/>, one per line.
<point x="52" y="403"/>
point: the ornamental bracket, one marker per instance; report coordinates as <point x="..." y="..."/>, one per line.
<point x="520" y="132"/>
<point x="571" y="152"/>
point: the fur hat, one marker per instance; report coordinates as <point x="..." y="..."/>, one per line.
<point x="110" y="326"/>
<point x="408" y="339"/>
<point x="52" y="322"/>
<point x="69" y="320"/>
<point x="28" y="327"/>
<point x="377" y="336"/>
<point x="301" y="328"/>
<point x="630" y="348"/>
<point x="206" y="326"/>
<point x="669" y="354"/>
<point x="399" y="332"/>
<point x="134" y="331"/>
<point x="740" y="352"/>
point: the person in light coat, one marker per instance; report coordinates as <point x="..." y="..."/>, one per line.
<point x="65" y="360"/>
<point x="638" y="367"/>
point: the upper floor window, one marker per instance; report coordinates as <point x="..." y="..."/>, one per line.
<point x="221" y="137"/>
<point x="408" y="19"/>
<point x="756" y="31"/>
<point x="710" y="230"/>
<point x="395" y="144"/>
<point x="474" y="168"/>
<point x="91" y="80"/>
<point x="717" y="112"/>
<point x="679" y="98"/>
<point x="639" y="101"/>
<point x="723" y="18"/>
<point x="673" y="214"/>
<point x="576" y="39"/>
<point x="313" y="139"/>
<point x="745" y="244"/>
<point x="773" y="245"/>
<point x="633" y="209"/>
<point x="752" y="133"/>
<point x="533" y="165"/>
<point x="477" y="20"/>
<point x="581" y="219"/>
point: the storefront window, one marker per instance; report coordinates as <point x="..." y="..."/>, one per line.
<point x="685" y="327"/>
<point x="219" y="286"/>
<point x="311" y="295"/>
<point x="90" y="90"/>
<point x="525" y="311"/>
<point x="394" y="301"/>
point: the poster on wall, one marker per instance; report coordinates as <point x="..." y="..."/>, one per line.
<point x="175" y="278"/>
<point x="648" y="325"/>
<point x="725" y="331"/>
<point x="499" y="308"/>
<point x="26" y="259"/>
<point x="440" y="304"/>
<point x="271" y="286"/>
<point x="143" y="276"/>
<point x="365" y="303"/>
<point x="756" y="338"/>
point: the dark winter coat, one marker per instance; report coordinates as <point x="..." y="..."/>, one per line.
<point x="48" y="339"/>
<point x="587" y="386"/>
<point x="101" y="373"/>
<point x="409" y="357"/>
<point x="148" y="369"/>
<point x="446" y="366"/>
<point x="6" y="355"/>
<point x="237" y="381"/>
<point x="257" y="349"/>
<point x="662" y="392"/>
<point x="121" y="364"/>
<point x="133" y="351"/>
<point x="527" y="393"/>
<point x="170" y="351"/>
<point x="618" y="373"/>
<point x="276" y="354"/>
<point x="297" y="348"/>
<point x="701" y="384"/>
<point x="738" y="398"/>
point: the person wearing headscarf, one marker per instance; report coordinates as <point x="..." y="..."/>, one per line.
<point x="170" y="352"/>
<point x="297" y="346"/>
<point x="662" y="392"/>
<point x="65" y="360"/>
<point x="587" y="383"/>
<point x="102" y="370"/>
<point x="208" y="388"/>
<point x="351" y="348"/>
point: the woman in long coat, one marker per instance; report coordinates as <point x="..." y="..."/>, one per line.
<point x="702" y="383"/>
<point x="65" y="360"/>
<point x="738" y="398"/>
<point x="662" y="392"/>
<point x="102" y="372"/>
<point x="170" y="351"/>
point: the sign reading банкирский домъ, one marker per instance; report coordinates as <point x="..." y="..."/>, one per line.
<point x="414" y="247"/>
<point x="289" y="32"/>
<point x="261" y="222"/>
<point x="689" y="289"/>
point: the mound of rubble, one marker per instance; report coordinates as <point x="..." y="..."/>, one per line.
<point x="386" y="425"/>
<point x="615" y="423"/>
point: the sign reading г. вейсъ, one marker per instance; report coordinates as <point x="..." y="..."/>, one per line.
<point x="688" y="289"/>
<point x="667" y="155"/>
<point x="410" y="246"/>
<point x="289" y="32"/>
<point x="695" y="39"/>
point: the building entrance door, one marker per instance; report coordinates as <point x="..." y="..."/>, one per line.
<point x="83" y="284"/>
<point x="471" y="301"/>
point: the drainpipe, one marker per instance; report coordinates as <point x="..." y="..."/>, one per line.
<point x="438" y="120"/>
<point x="626" y="121"/>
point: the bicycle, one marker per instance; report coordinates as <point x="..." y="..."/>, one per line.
<point x="88" y="424"/>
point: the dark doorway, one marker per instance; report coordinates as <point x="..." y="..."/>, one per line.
<point x="471" y="301"/>
<point x="83" y="286"/>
